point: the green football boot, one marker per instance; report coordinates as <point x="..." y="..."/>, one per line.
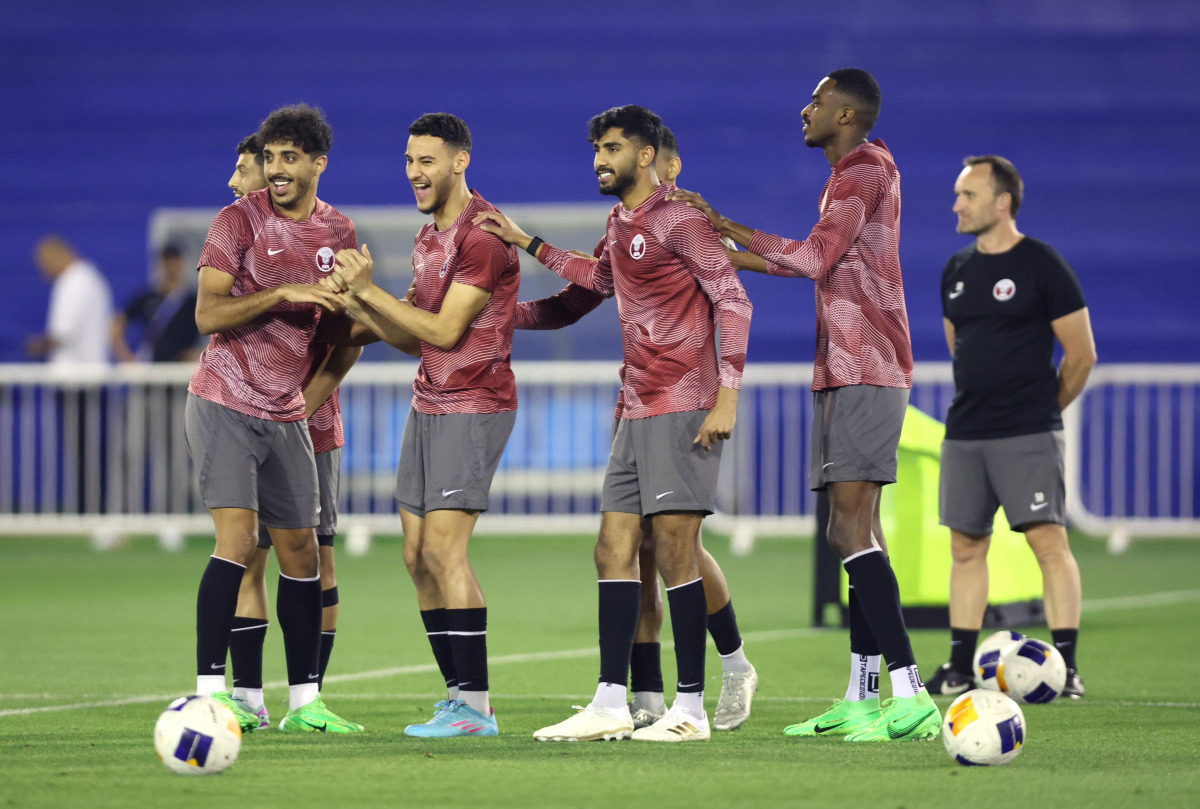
<point x="903" y="719"/>
<point x="247" y="719"/>
<point x="314" y="717"/>
<point x="842" y="719"/>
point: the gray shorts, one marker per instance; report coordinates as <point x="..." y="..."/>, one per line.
<point x="655" y="467"/>
<point x="448" y="461"/>
<point x="329" y="471"/>
<point x="246" y="462"/>
<point x="855" y="434"/>
<point x="1024" y="473"/>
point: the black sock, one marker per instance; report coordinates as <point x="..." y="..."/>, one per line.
<point x="1065" y="640"/>
<point x="298" y="605"/>
<point x="245" y="651"/>
<point x="722" y="625"/>
<point x="620" y="606"/>
<point x="436" y="630"/>
<point x="327" y="638"/>
<point x="962" y="649"/>
<point x="878" y="594"/>
<point x="862" y="639"/>
<point x="688" y="609"/>
<point x="468" y="643"/>
<point x="216" y="604"/>
<point x="645" y="667"/>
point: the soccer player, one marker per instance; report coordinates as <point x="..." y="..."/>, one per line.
<point x="739" y="679"/>
<point x="675" y="288"/>
<point x="862" y="376"/>
<point x="260" y="299"/>
<point x="329" y="364"/>
<point x="1006" y="298"/>
<point x="460" y="323"/>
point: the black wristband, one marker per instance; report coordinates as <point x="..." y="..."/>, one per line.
<point x="534" y="244"/>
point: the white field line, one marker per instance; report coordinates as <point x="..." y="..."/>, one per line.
<point x="1093" y="605"/>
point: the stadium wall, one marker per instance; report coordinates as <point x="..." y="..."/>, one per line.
<point x="118" y="109"/>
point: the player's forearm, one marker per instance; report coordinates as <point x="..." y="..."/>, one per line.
<point x="420" y="325"/>
<point x="333" y="370"/>
<point x="217" y="313"/>
<point x="583" y="272"/>
<point x="745" y="260"/>
<point x="383" y="327"/>
<point x="739" y="233"/>
<point x="1073" y="374"/>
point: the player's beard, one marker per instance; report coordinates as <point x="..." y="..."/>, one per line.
<point x="619" y="185"/>
<point x="299" y="191"/>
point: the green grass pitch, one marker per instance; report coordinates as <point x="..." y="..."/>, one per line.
<point x="93" y="646"/>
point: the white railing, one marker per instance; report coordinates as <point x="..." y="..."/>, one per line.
<point x="101" y="451"/>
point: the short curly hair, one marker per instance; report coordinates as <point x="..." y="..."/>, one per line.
<point x="300" y="125"/>
<point x="638" y="123"/>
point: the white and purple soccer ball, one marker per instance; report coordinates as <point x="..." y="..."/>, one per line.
<point x="987" y="657"/>
<point x="983" y="728"/>
<point x="1032" y="671"/>
<point x="197" y="736"/>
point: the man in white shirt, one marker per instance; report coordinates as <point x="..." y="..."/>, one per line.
<point x="80" y="307"/>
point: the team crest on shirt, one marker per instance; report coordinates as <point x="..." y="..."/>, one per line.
<point x="325" y="259"/>
<point x="637" y="247"/>
<point x="445" y="268"/>
<point x="1004" y="290"/>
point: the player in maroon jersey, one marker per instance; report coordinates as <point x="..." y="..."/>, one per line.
<point x="861" y="380"/>
<point x="460" y="323"/>
<point x="260" y="299"/>
<point x="329" y="365"/>
<point x="675" y="288"/>
<point x="739" y="679"/>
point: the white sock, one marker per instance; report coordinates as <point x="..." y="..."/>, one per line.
<point x="452" y="692"/>
<point x="611" y="697"/>
<point x="864" y="678"/>
<point x="906" y="682"/>
<point x="209" y="684"/>
<point x="251" y="696"/>
<point x="652" y="701"/>
<point x="736" y="661"/>
<point x="477" y="700"/>
<point x="690" y="702"/>
<point x="301" y="695"/>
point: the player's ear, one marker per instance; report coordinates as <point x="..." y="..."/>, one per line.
<point x="320" y="163"/>
<point x="646" y="156"/>
<point x="461" y="161"/>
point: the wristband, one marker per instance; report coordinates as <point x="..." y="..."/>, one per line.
<point x="534" y="244"/>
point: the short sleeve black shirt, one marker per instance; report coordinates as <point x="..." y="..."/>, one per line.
<point x="1001" y="306"/>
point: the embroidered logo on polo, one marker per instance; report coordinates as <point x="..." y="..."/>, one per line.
<point x="1004" y="290"/>
<point x="637" y="247"/>
<point x="958" y="290"/>
<point x="325" y="259"/>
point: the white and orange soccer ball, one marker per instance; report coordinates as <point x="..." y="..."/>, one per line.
<point x="983" y="728"/>
<point x="987" y="657"/>
<point x="1032" y="671"/>
<point x="197" y="736"/>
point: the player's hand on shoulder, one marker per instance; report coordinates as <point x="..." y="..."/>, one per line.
<point x="698" y="202"/>
<point x="499" y="225"/>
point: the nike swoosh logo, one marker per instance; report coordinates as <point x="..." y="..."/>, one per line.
<point x="448" y="493"/>
<point x="315" y="726"/>
<point x="271" y="252"/>
<point x="215" y="667"/>
<point x="1039" y="506"/>
<point x="954" y="295"/>
<point x="826" y="466"/>
<point x="313" y="676"/>
<point x="897" y="732"/>
<point x="664" y="494"/>
<point x="826" y="728"/>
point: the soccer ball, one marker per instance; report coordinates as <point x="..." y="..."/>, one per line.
<point x="983" y="727"/>
<point x="197" y="736"/>
<point x="987" y="657"/>
<point x="1032" y="671"/>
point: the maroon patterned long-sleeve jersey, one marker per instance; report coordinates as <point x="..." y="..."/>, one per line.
<point x="475" y="376"/>
<point x="853" y="254"/>
<point x="675" y="289"/>
<point x="260" y="368"/>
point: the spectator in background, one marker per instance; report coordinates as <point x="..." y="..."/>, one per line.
<point x="166" y="312"/>
<point x="80" y="307"/>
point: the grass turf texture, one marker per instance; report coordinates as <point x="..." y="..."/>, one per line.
<point x="81" y="628"/>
